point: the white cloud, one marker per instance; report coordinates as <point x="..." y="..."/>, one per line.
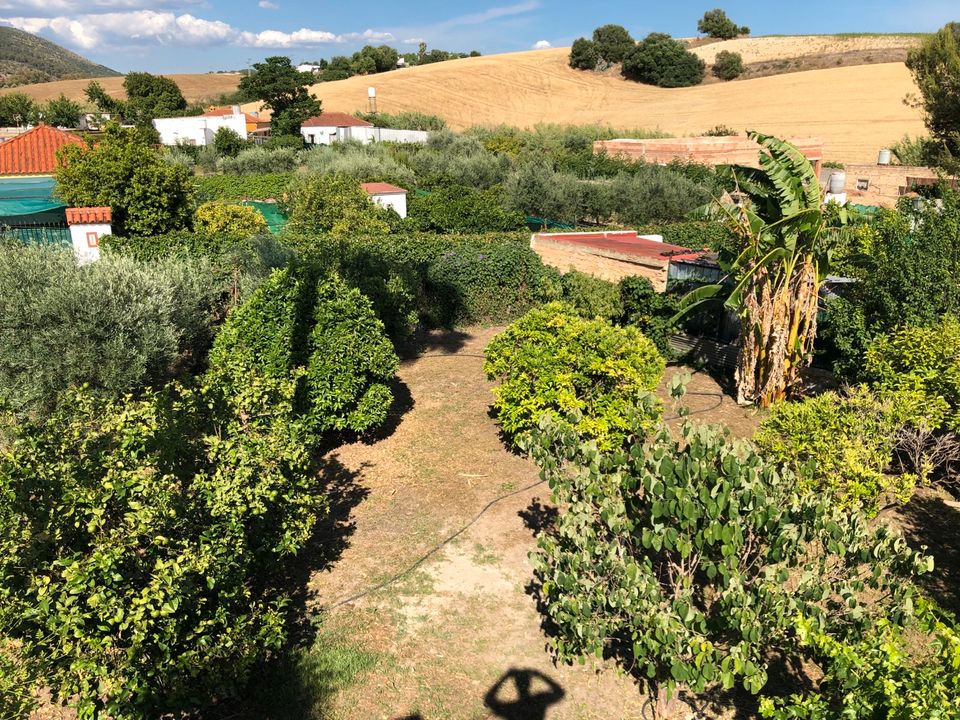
<point x="542" y="45"/>
<point x="413" y="41"/>
<point x="74" y="8"/>
<point x="165" y="28"/>
<point x="267" y="5"/>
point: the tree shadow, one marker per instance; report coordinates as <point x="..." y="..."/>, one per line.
<point x="930" y="521"/>
<point x="538" y="517"/>
<point x="424" y="341"/>
<point x="532" y="695"/>
<point x="403" y="403"/>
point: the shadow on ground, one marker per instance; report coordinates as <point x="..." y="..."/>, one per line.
<point x="523" y="694"/>
<point x="932" y="521"/>
<point x="425" y="342"/>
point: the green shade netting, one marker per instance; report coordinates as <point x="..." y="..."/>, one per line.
<point x="275" y="219"/>
<point x="30" y="199"/>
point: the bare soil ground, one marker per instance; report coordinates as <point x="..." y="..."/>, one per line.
<point x="194" y="87"/>
<point x="459" y="635"/>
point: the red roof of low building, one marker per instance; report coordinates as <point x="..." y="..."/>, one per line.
<point x="89" y="216"/>
<point x="626" y="242"/>
<point x="335" y="119"/>
<point x="35" y="151"/>
<point x="224" y="111"/>
<point x="382" y="188"/>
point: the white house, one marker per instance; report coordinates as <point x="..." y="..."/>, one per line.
<point x="309" y="67"/>
<point x="388" y="196"/>
<point x="87" y="226"/>
<point x="331" y="127"/>
<point x="199" y="130"/>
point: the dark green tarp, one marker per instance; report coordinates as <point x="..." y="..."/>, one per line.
<point x="30" y="200"/>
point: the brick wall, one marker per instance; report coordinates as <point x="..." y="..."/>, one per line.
<point x="603" y="264"/>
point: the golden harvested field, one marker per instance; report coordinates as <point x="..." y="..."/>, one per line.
<point x="193" y="87"/>
<point x="762" y="49"/>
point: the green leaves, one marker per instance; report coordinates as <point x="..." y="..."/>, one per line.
<point x="689" y="558"/>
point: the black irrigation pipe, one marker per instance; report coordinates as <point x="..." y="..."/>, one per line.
<point x="443" y="543"/>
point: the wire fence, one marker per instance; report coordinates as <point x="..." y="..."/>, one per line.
<point x="37" y="233"/>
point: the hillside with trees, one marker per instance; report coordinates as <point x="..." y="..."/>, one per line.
<point x="27" y="58"/>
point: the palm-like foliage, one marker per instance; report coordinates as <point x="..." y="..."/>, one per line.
<point x="785" y="242"/>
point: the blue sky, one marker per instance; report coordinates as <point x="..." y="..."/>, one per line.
<point x="202" y="35"/>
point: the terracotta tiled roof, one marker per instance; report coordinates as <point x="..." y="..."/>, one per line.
<point x="88" y="216"/>
<point x="223" y="111"/>
<point x="335" y="119"/>
<point x="35" y="151"/>
<point x="381" y="188"/>
<point x="625" y="242"/>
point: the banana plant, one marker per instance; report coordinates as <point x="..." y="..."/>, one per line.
<point x="785" y="240"/>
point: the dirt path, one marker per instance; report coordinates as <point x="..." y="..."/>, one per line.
<point x="461" y="622"/>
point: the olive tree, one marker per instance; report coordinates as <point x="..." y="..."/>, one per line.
<point x="935" y="66"/>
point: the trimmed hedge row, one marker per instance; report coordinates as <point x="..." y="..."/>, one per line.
<point x="263" y="186"/>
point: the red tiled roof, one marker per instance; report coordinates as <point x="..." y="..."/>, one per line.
<point x="626" y="242"/>
<point x="35" y="151"/>
<point x="381" y="188"/>
<point x="88" y="216"/>
<point x="335" y="119"/>
<point x="223" y="111"/>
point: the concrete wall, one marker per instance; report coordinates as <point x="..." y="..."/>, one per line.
<point x="705" y="150"/>
<point x="604" y="264"/>
<point x="197" y="130"/>
<point x="324" y="135"/>
<point x="397" y="201"/>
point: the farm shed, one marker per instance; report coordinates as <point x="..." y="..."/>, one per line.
<point x="200" y="129"/>
<point x="704" y="150"/>
<point x="612" y="255"/>
<point x="388" y="196"/>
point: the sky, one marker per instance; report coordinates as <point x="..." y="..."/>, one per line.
<point x="207" y="35"/>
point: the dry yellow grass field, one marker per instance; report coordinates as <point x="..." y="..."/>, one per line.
<point x="194" y="87"/>
<point x="762" y="49"/>
<point x="855" y="110"/>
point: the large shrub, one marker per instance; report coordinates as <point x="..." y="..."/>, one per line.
<point x="923" y="360"/>
<point x="324" y="335"/>
<point x="228" y="143"/>
<point x="553" y="362"/>
<point x="407" y="120"/>
<point x="453" y="159"/>
<point x="842" y="446"/>
<point x="613" y="43"/>
<point x="584" y="54"/>
<point x="336" y="205"/>
<point x="590" y="296"/>
<point x="716" y="24"/>
<point x="652" y="313"/>
<point x="146" y="194"/>
<point x="653" y="194"/>
<point x="460" y="209"/>
<point x="728" y="65"/>
<point x="364" y="163"/>
<point x="688" y="559"/>
<point x="660" y="60"/>
<point x="114" y="325"/>
<point x="214" y="218"/>
<point x="258" y="160"/>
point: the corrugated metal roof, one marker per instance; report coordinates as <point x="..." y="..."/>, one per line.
<point x="35" y="151"/>
<point x="381" y="188"/>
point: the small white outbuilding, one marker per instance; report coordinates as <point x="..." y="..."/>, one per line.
<point x="200" y="129"/>
<point x="87" y="226"/>
<point x="388" y="196"/>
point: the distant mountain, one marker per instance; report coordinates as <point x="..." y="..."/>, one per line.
<point x="26" y="58"/>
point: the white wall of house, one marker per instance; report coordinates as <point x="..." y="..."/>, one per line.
<point x="397" y="201"/>
<point x="197" y="130"/>
<point x="86" y="241"/>
<point x="313" y="135"/>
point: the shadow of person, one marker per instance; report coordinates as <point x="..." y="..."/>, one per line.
<point x="527" y="705"/>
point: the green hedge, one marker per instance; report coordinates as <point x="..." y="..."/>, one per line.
<point x="264" y="186"/>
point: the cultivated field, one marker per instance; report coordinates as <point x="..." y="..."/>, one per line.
<point x="855" y="110"/>
<point x="193" y="87"/>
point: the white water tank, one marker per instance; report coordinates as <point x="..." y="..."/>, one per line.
<point x="883" y="157"/>
<point x="838" y="183"/>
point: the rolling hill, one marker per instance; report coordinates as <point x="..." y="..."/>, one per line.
<point x="194" y="87"/>
<point x="856" y="110"/>
<point x="27" y="58"/>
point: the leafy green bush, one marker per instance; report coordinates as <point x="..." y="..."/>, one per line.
<point x="687" y="559"/>
<point x="660" y="60"/>
<point x="405" y="120"/>
<point x="650" y="312"/>
<point x="323" y="334"/>
<point x="911" y="674"/>
<point x="336" y="205"/>
<point x="228" y="143"/>
<point x="590" y="296"/>
<point x="842" y="446"/>
<point x="453" y="159"/>
<point x="265" y="186"/>
<point x="553" y="362"/>
<point x="653" y="194"/>
<point x="613" y="43"/>
<point x="114" y="325"/>
<point x="146" y="194"/>
<point x="922" y="360"/>
<point x="716" y="24"/>
<point x="460" y="209"/>
<point x="584" y="55"/>
<point x="215" y="218"/>
<point x="364" y="163"/>
<point x="257" y="160"/>
<point x="728" y="65"/>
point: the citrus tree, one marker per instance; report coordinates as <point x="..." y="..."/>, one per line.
<point x="785" y="237"/>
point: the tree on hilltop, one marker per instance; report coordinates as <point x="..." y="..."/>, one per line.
<point x="716" y="24"/>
